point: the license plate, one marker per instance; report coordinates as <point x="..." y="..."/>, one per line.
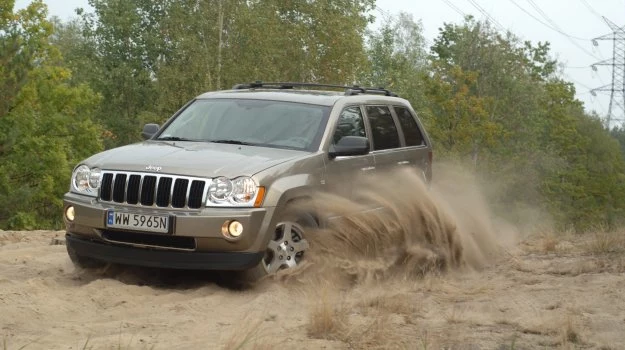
<point x="138" y="222"/>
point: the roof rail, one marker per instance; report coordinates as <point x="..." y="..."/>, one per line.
<point x="349" y="90"/>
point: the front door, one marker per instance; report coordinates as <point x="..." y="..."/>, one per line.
<point x="343" y="172"/>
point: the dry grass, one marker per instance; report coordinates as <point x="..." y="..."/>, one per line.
<point x="569" y="335"/>
<point x="328" y="320"/>
<point x="549" y="244"/>
<point x="401" y="304"/>
<point x="455" y="315"/>
<point x="603" y="242"/>
<point x="377" y="323"/>
<point x="248" y="336"/>
<point x="378" y="332"/>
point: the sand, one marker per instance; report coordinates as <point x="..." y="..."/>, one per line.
<point x="540" y="290"/>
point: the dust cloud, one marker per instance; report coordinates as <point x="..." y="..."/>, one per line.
<point x="398" y="226"/>
<point x="381" y="279"/>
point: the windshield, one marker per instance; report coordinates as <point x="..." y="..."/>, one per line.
<point x="250" y="122"/>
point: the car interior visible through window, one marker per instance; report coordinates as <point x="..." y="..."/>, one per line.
<point x="383" y="128"/>
<point x="350" y="123"/>
<point x="412" y="134"/>
<point x="254" y="122"/>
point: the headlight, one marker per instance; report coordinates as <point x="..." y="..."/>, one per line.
<point x="94" y="178"/>
<point x="239" y="192"/>
<point x="220" y="190"/>
<point x="86" y="181"/>
<point x="243" y="190"/>
<point x="80" y="178"/>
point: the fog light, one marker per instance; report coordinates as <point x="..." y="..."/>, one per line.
<point x="69" y="213"/>
<point x="235" y="228"/>
<point x="232" y="229"/>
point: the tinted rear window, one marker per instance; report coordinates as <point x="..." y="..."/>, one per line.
<point x="409" y="126"/>
<point x="383" y="128"/>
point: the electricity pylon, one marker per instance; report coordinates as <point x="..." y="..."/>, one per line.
<point x="616" y="109"/>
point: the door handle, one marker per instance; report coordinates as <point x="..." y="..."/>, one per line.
<point x="404" y="162"/>
<point x="369" y="168"/>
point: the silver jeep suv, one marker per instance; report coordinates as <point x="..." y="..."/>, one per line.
<point x="214" y="187"/>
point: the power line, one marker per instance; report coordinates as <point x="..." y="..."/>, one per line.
<point x="389" y="17"/>
<point x="591" y="9"/>
<point x="545" y="24"/>
<point x="596" y="74"/>
<point x="488" y="16"/>
<point x="555" y="25"/>
<point x="577" y="82"/>
<point x="455" y="8"/>
<point x="597" y="48"/>
<point x="595" y="102"/>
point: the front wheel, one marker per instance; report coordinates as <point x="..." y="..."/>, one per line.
<point x="285" y="249"/>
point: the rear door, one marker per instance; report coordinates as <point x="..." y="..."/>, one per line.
<point x="415" y="151"/>
<point x="386" y="139"/>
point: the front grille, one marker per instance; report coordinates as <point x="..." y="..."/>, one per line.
<point x="148" y="239"/>
<point x="153" y="190"/>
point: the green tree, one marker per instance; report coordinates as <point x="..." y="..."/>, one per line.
<point x="146" y="58"/>
<point x="502" y="98"/>
<point x="618" y="133"/>
<point x="397" y="59"/>
<point x="457" y="119"/>
<point x="117" y="57"/>
<point x="583" y="185"/>
<point x="214" y="44"/>
<point x="46" y="126"/>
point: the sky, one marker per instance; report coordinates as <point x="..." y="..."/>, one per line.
<point x="569" y="25"/>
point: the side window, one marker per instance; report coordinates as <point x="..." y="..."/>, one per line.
<point x="383" y="128"/>
<point x="409" y="126"/>
<point x="350" y="124"/>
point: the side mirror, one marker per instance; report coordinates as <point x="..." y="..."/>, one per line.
<point x="350" y="146"/>
<point x="149" y="130"/>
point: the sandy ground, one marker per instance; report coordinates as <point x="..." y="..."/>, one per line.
<point x="563" y="292"/>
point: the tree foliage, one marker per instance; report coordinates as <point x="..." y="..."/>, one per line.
<point x="506" y="109"/>
<point x="148" y="57"/>
<point x="397" y="58"/>
<point x="488" y="99"/>
<point x="46" y="124"/>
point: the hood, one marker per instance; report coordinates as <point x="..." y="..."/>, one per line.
<point x="200" y="159"/>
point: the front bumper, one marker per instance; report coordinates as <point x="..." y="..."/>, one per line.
<point x="203" y="227"/>
<point x="188" y="260"/>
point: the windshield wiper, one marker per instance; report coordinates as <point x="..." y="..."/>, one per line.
<point x="234" y="142"/>
<point x="173" y="138"/>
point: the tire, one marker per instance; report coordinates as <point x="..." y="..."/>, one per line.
<point x="82" y="262"/>
<point x="286" y="249"/>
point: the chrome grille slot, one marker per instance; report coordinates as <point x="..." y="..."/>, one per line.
<point x="132" y="192"/>
<point x="196" y="194"/>
<point x="179" y="194"/>
<point x="119" y="188"/>
<point x="163" y="195"/>
<point x="149" y="190"/>
<point x="106" y="187"/>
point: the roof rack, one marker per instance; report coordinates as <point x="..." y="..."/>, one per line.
<point x="349" y="90"/>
